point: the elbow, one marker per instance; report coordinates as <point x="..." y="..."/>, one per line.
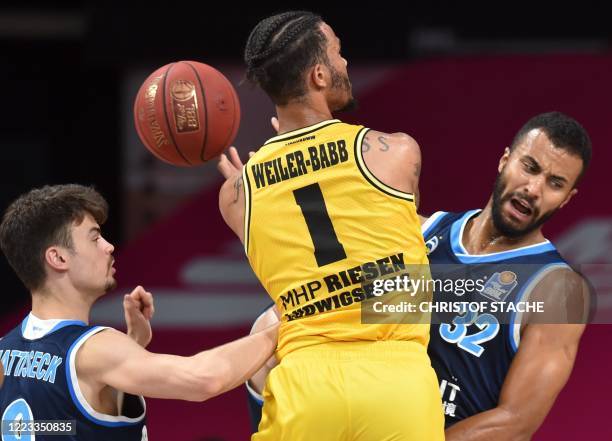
<point x="212" y="382"/>
<point x="206" y="389"/>
<point x="519" y="425"/>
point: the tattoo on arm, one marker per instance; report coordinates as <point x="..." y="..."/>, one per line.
<point x="382" y="140"/>
<point x="382" y="144"/>
<point x="237" y="187"/>
<point x="364" y="145"/>
<point x="417" y="169"/>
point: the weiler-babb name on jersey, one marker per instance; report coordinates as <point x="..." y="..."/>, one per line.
<point x="296" y="164"/>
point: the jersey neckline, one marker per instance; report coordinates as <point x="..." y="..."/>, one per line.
<point x="34" y="328"/>
<point x="301" y="131"/>
<point x="460" y="252"/>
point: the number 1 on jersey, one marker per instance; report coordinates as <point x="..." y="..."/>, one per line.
<point x="327" y="247"/>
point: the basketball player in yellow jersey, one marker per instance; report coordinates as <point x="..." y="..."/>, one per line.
<point x="321" y="208"/>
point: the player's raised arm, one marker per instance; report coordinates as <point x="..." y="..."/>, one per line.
<point x="138" y="309"/>
<point x="539" y="371"/>
<point x="231" y="195"/>
<point x="111" y="358"/>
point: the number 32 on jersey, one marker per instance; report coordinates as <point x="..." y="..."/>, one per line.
<point x="457" y="332"/>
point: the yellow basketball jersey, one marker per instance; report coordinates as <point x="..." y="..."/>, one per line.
<point x="316" y="221"/>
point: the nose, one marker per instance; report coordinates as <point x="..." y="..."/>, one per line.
<point x="534" y="186"/>
<point x="108" y="247"/>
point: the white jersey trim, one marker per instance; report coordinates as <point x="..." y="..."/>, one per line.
<point x="77" y="395"/>
<point x="431" y="220"/>
<point x="515" y="322"/>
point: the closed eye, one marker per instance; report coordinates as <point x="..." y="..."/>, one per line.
<point x="531" y="165"/>
<point x="557" y="183"/>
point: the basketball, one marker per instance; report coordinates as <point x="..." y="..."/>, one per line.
<point x="186" y="113"/>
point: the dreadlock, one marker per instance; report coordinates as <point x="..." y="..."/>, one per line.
<point x="280" y="49"/>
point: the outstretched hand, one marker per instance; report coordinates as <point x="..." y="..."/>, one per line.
<point x="230" y="164"/>
<point x="138" y="307"/>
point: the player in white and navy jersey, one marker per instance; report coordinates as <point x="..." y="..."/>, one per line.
<point x="65" y="377"/>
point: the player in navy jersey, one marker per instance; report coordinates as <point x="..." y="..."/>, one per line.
<point x="501" y="373"/>
<point x="63" y="375"/>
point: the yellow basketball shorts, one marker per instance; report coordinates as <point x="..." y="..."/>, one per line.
<point x="353" y="391"/>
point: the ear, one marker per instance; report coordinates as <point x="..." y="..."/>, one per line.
<point x="319" y="76"/>
<point x="57" y="258"/>
<point x="503" y="160"/>
<point x="569" y="196"/>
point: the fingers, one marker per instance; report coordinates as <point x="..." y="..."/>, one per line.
<point x="137" y="290"/>
<point x="228" y="167"/>
<point x="235" y="158"/>
<point x="136" y="295"/>
<point x="274" y="122"/>
<point x="251" y="154"/>
<point x="129" y="304"/>
<point x="140" y="300"/>
<point x="148" y="307"/>
<point x="225" y="167"/>
<point x="130" y="309"/>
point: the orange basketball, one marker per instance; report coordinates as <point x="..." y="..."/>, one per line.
<point x="186" y="113"/>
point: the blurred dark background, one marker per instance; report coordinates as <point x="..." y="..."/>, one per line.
<point x="63" y="66"/>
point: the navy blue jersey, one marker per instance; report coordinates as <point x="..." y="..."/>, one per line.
<point x="471" y="352"/>
<point x="40" y="384"/>
<point x="255" y="401"/>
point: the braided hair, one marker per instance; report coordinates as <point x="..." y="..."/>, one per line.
<point x="280" y="49"/>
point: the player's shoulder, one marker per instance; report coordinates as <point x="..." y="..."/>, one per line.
<point x="101" y="340"/>
<point x="564" y="294"/>
<point x="106" y="334"/>
<point x="401" y="141"/>
<point x="561" y="278"/>
<point x="393" y="158"/>
<point x="438" y="221"/>
<point x="102" y="347"/>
